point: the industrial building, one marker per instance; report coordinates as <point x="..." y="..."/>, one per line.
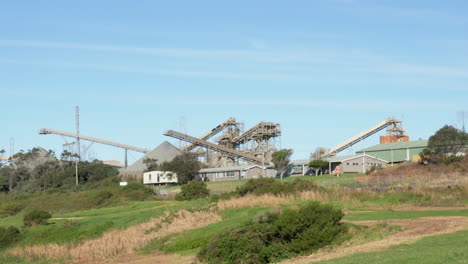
<point x="396" y="152"/>
<point x="348" y="164"/>
<point x="355" y="163"/>
<point x="235" y="173"/>
<point x="299" y="168"/>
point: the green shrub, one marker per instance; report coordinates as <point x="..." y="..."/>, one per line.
<point x="193" y="190"/>
<point x="272" y="186"/>
<point x="11" y="209"/>
<point x="102" y="196"/>
<point x="8" y="236"/>
<point x="36" y="217"/>
<point x="276" y="236"/>
<point x="137" y="192"/>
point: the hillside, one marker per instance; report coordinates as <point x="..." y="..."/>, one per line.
<point x="109" y="224"/>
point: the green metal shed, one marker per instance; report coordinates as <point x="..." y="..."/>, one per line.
<point x="396" y="151"/>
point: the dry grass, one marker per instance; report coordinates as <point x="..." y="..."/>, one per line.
<point x="266" y="200"/>
<point x="271" y="200"/>
<point x="417" y="174"/>
<point x="118" y="242"/>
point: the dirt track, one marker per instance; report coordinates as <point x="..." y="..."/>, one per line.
<point x="414" y="229"/>
<point x="154" y="258"/>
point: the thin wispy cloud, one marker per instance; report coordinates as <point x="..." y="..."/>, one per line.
<point x="415" y="69"/>
<point x="162" y="71"/>
<point x="263" y="55"/>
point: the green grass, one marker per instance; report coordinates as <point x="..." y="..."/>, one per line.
<point x="449" y="248"/>
<point x="190" y="241"/>
<point x="348" y="179"/>
<point x="384" y="215"/>
<point x="92" y="223"/>
<point x="219" y="187"/>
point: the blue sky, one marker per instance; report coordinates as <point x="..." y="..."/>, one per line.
<point x="324" y="70"/>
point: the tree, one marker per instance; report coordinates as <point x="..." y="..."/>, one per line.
<point x="318" y="165"/>
<point x="67" y="155"/>
<point x="186" y="166"/>
<point x="151" y="164"/>
<point x="447" y="142"/>
<point x="2" y="152"/>
<point x="281" y="159"/>
<point x="318" y="152"/>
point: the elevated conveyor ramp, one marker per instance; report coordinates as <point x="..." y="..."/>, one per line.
<point x="361" y="136"/>
<point x="221" y="149"/>
<point x="230" y="122"/>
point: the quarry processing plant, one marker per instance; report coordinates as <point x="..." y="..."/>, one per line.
<point x="254" y="146"/>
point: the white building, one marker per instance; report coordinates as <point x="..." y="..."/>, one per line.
<point x="159" y="177"/>
<point x="235" y="173"/>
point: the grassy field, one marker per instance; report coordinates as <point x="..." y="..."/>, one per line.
<point x="76" y="225"/>
<point x="448" y="248"/>
<point x="385" y="215"/>
<point x="220" y="187"/>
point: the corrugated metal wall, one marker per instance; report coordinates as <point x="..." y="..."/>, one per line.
<point x="395" y="155"/>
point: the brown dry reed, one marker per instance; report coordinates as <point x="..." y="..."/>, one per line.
<point x="118" y="242"/>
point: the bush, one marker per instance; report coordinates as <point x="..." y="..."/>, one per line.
<point x="277" y="236"/>
<point x="36" y="217"/>
<point x="8" y="236"/>
<point x="137" y="192"/>
<point x="11" y="209"/>
<point x="100" y="197"/>
<point x="272" y="186"/>
<point x="193" y="190"/>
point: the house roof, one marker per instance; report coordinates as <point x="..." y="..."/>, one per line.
<point x="299" y="162"/>
<point x="339" y="158"/>
<point x="233" y="168"/>
<point x="368" y="156"/>
<point x="396" y="145"/>
<point x="349" y="157"/>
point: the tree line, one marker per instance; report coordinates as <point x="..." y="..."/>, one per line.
<point x="39" y="170"/>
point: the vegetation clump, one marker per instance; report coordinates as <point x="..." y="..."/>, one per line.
<point x="36" y="217"/>
<point x="277" y="236"/>
<point x="8" y="236"/>
<point x="137" y="192"/>
<point x="11" y="209"/>
<point x="446" y="146"/>
<point x="192" y="191"/>
<point x="271" y="186"/>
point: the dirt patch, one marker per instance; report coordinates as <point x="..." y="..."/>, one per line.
<point x="356" y="212"/>
<point x="429" y="208"/>
<point x="414" y="229"/>
<point x="154" y="258"/>
<point x="67" y="218"/>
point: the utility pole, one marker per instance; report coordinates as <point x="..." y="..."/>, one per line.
<point x="12" y="149"/>
<point x="77" y="123"/>
<point x="461" y="118"/>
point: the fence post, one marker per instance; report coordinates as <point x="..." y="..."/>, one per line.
<point x="378" y="181"/>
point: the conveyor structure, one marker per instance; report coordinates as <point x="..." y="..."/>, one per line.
<point x="363" y="135"/>
<point x="46" y="131"/>
<point x="218" y="148"/>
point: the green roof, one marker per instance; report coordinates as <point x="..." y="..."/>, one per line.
<point x="396" y="145"/>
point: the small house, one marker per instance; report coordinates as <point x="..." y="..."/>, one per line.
<point x="159" y="177"/>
